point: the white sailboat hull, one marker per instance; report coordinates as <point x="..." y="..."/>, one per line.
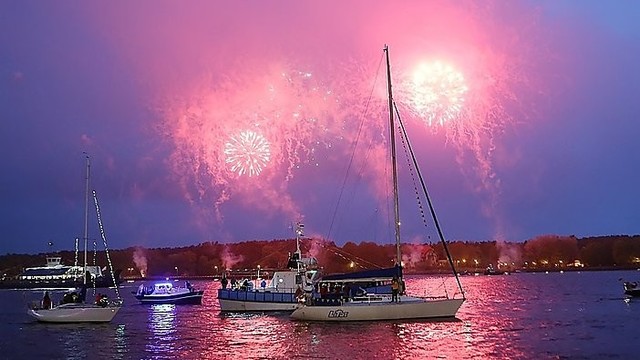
<point x="75" y="313"/>
<point x="407" y="308"/>
<point x="242" y="306"/>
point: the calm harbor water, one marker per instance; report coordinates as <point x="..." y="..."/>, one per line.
<point x="572" y="315"/>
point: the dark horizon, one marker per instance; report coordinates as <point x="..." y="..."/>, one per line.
<point x="100" y="247"/>
<point x="550" y="253"/>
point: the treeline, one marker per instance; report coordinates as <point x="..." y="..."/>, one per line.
<point x="547" y="252"/>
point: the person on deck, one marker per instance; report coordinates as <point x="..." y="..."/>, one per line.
<point x="83" y="294"/>
<point x="224" y="281"/>
<point x="346" y="291"/>
<point x="46" y="301"/>
<point x="395" y="287"/>
<point x="323" y="291"/>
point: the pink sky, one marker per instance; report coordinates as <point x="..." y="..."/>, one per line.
<point x="543" y="142"/>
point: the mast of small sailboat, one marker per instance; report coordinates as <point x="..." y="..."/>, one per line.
<point x="299" y="234"/>
<point x="396" y="207"/>
<point x="86" y="220"/>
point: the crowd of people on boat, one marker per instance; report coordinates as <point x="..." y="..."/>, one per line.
<point x="73" y="297"/>
<point x="334" y="290"/>
<point x="330" y="293"/>
<point x="241" y="285"/>
<point x="102" y="300"/>
<point x="327" y="291"/>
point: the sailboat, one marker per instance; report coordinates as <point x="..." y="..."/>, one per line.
<point x="385" y="306"/>
<point x="103" y="310"/>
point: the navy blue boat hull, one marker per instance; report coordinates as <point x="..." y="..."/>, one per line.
<point x="192" y="298"/>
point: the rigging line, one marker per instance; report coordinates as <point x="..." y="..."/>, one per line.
<point x="410" y="166"/>
<point x="75" y="261"/>
<point x="415" y="187"/>
<point x="413" y="178"/>
<point x="341" y="252"/>
<point x="355" y="145"/>
<point x="426" y="194"/>
<point x="279" y="251"/>
<point x="104" y="241"/>
<point x="95" y="254"/>
<point x="336" y="250"/>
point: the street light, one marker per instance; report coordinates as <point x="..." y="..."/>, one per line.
<point x="176" y="270"/>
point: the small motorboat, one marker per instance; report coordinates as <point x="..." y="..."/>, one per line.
<point x="631" y="288"/>
<point x="490" y="270"/>
<point x="167" y="293"/>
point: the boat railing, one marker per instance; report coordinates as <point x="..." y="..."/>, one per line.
<point x="257" y="296"/>
<point x="369" y="298"/>
<point x="268" y="289"/>
<point x="442" y="297"/>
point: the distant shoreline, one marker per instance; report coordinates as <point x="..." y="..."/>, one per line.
<point x="475" y="272"/>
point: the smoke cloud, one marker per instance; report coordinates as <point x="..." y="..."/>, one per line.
<point x="140" y="259"/>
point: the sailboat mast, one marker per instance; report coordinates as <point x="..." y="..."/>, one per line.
<point x="86" y="221"/>
<point x="299" y="234"/>
<point x="396" y="207"/>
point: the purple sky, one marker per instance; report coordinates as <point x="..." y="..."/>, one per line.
<point x="544" y="141"/>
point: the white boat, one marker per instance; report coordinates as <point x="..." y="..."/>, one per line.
<point x="347" y="306"/>
<point x="380" y="307"/>
<point x="167" y="293"/>
<point x="103" y="310"/>
<point x="631" y="288"/>
<point x="75" y="313"/>
<point x="55" y="275"/>
<point x="281" y="293"/>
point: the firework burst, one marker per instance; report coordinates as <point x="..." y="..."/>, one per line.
<point x="247" y="153"/>
<point x="437" y="92"/>
<point x="313" y="109"/>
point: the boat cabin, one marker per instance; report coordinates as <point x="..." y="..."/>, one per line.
<point x="53" y="261"/>
<point x="162" y="288"/>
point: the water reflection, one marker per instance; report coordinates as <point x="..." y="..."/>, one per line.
<point x="73" y="344"/>
<point x="257" y="336"/>
<point x="162" y="328"/>
<point x="121" y="344"/>
<point x="252" y="335"/>
<point x="528" y="316"/>
<point x="84" y="341"/>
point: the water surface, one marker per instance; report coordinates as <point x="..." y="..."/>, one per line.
<point x="570" y="315"/>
